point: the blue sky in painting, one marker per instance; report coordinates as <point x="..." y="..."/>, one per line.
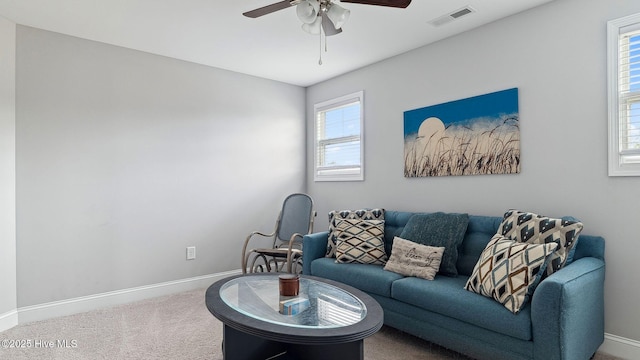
<point x="491" y="105"/>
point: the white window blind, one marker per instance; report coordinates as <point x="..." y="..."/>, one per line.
<point x="624" y="96"/>
<point x="338" y="139"/>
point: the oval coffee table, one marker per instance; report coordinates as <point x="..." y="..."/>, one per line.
<point x="330" y="321"/>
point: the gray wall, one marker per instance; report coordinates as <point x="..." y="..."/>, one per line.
<point x="556" y="55"/>
<point x="7" y="167"/>
<point x="125" y="158"/>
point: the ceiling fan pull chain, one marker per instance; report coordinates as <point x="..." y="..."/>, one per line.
<point x="325" y="43"/>
<point x="320" y="36"/>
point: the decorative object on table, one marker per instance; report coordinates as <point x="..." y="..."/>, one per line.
<point x="294" y="305"/>
<point x="474" y="136"/>
<point x="289" y="284"/>
<point x="285" y="254"/>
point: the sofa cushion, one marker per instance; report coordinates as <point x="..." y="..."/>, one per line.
<point x="412" y="259"/>
<point x="508" y="271"/>
<point x="479" y="231"/>
<point x="370" y="278"/>
<point x="394" y="222"/>
<point x="439" y="230"/>
<point x="446" y="296"/>
<point x="335" y="216"/>
<point x="360" y="241"/>
<point x="532" y="228"/>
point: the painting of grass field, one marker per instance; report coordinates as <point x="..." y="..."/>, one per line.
<point x="474" y="136"/>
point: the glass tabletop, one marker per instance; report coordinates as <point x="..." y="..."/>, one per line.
<point x="318" y="305"/>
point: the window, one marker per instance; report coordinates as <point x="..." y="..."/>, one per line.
<point x="338" y="139"/>
<point x="624" y="95"/>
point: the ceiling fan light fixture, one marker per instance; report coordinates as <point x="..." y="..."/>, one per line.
<point x="307" y="11"/>
<point x="322" y="16"/>
<point x="328" y="27"/>
<point x="338" y="15"/>
<point x="314" y="27"/>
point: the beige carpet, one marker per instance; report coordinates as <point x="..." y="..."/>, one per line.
<point x="171" y="327"/>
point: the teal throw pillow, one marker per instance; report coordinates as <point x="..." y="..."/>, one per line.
<point x="439" y="230"/>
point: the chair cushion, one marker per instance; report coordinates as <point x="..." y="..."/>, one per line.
<point x="370" y="278"/>
<point x="278" y="252"/>
<point x="439" y="230"/>
<point x="446" y="296"/>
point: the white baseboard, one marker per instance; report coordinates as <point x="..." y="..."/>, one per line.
<point x="87" y="303"/>
<point x="620" y="347"/>
<point x="8" y="320"/>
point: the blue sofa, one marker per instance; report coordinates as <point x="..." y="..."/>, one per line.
<point x="564" y="319"/>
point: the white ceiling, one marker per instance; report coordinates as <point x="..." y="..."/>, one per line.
<point x="214" y="32"/>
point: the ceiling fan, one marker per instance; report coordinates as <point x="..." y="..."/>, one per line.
<point x="325" y="14"/>
<point x="287" y="3"/>
<point x="322" y="16"/>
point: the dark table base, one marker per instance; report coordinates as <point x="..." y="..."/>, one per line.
<point x="241" y="346"/>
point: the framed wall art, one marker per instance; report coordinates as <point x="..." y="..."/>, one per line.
<point x="474" y="136"/>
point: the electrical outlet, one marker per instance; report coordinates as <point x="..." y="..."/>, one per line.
<point x="191" y="252"/>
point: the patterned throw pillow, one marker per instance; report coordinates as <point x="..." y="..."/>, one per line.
<point x="508" y="271"/>
<point x="412" y="259"/>
<point x="536" y="229"/>
<point x="360" y="241"/>
<point x="440" y="230"/>
<point x="335" y="216"/>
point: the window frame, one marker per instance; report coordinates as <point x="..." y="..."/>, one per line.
<point x="337" y="173"/>
<point x="616" y="114"/>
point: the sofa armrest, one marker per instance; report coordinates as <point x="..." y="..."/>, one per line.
<point x="567" y="311"/>
<point x="314" y="246"/>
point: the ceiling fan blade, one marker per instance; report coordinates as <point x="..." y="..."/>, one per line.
<point x="269" y="9"/>
<point x="390" y="3"/>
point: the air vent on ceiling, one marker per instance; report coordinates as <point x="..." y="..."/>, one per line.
<point x="454" y="15"/>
